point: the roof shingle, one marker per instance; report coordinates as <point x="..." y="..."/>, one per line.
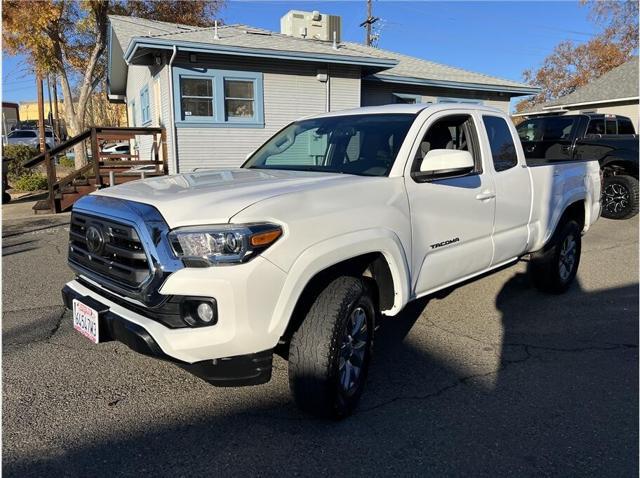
<point x="243" y="36"/>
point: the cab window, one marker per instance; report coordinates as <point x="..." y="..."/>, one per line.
<point x="503" y="149"/>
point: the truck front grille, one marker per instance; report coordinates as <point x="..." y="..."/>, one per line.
<point x="108" y="249"/>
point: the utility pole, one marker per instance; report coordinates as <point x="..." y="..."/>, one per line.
<point x="43" y="144"/>
<point x="370" y="20"/>
<point x="56" y="116"/>
<point x="50" y="115"/>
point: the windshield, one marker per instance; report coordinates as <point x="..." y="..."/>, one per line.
<point x="360" y="144"/>
<point x="22" y="134"/>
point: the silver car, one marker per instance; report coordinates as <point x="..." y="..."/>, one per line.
<point x="30" y="137"/>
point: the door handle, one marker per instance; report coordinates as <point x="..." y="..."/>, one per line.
<point x="484" y="195"/>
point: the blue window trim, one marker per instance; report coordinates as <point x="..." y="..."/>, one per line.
<point x="409" y="96"/>
<point x="444" y="99"/>
<point x="219" y="118"/>
<point x="145" y="105"/>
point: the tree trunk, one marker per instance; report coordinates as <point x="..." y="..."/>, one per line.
<point x="75" y="115"/>
<point x="71" y="118"/>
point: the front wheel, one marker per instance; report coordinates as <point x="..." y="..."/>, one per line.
<point x="620" y="197"/>
<point x="329" y="354"/>
<point x="554" y="268"/>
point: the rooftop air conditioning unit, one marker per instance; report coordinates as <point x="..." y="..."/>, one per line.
<point x="314" y="25"/>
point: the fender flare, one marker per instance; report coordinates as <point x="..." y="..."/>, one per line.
<point x="627" y="160"/>
<point x="330" y="252"/>
<point x="577" y="196"/>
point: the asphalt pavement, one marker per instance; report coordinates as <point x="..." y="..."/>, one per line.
<point x="491" y="378"/>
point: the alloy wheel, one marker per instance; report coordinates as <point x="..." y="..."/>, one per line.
<point x="353" y="350"/>
<point x="616" y="198"/>
<point x="567" y="257"/>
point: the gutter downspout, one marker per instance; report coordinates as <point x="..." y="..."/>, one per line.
<point x="174" y="130"/>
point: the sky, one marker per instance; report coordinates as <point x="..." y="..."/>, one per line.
<point x="496" y="38"/>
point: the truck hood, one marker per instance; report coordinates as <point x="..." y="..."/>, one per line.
<point x="213" y="197"/>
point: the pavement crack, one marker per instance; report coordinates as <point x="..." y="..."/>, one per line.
<point x="506" y="362"/>
<point x="57" y="325"/>
<point x="608" y="346"/>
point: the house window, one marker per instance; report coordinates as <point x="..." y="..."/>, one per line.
<point x="196" y="97"/>
<point x="459" y="100"/>
<point x="218" y="98"/>
<point x="238" y="99"/>
<point x="406" y="98"/>
<point x="145" y="109"/>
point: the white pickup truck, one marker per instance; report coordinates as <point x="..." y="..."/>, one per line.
<point x="335" y="220"/>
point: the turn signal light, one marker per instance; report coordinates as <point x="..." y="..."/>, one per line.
<point x="263" y="239"/>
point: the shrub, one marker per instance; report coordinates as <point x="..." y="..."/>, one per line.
<point x="67" y="162"/>
<point x="30" y="181"/>
<point x="17" y="154"/>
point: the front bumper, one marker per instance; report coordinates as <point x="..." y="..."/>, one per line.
<point x="239" y="370"/>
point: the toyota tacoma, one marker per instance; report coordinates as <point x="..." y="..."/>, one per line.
<point x="335" y="221"/>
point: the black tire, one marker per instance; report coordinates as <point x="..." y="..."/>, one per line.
<point x="6" y="197"/>
<point x="317" y="365"/>
<point x="620" y="197"/>
<point x="549" y="268"/>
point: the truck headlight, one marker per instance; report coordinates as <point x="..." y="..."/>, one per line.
<point x="203" y="246"/>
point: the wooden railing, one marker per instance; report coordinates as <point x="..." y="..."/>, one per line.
<point x="100" y="164"/>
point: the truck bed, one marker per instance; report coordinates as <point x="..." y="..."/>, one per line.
<point x="554" y="186"/>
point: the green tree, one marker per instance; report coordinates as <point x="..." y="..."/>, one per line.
<point x="67" y="38"/>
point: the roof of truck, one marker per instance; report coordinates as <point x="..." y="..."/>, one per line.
<point x="408" y="109"/>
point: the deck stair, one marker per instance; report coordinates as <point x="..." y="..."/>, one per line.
<point x="102" y="169"/>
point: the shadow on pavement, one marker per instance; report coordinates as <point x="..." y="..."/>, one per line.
<point x="564" y="402"/>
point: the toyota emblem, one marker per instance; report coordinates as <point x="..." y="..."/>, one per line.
<point x="95" y="240"/>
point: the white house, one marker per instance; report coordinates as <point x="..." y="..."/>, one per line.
<point x="221" y="92"/>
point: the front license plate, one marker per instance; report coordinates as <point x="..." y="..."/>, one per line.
<point x="85" y="321"/>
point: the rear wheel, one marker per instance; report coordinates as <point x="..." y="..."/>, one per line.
<point x="329" y="354"/>
<point x="620" y="197"/>
<point x="554" y="268"/>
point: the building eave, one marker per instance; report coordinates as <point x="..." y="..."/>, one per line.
<point x="587" y="103"/>
<point x="194" y="47"/>
<point x="407" y="80"/>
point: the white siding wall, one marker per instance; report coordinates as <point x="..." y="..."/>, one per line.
<point x="378" y="93"/>
<point x="138" y="77"/>
<point x="291" y="91"/>
<point x="342" y="88"/>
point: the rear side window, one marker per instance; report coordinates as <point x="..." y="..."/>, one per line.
<point x="625" y="126"/>
<point x="503" y="150"/>
<point x="596" y="126"/>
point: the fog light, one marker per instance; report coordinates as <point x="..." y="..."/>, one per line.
<point x="205" y="312"/>
<point x="199" y="311"/>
